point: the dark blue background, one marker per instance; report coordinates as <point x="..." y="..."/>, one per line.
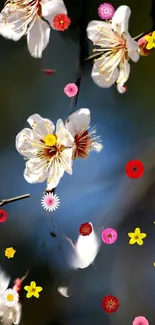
<point x="98" y="191"/>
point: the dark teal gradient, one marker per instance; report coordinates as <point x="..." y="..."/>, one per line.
<point x="98" y="191"/>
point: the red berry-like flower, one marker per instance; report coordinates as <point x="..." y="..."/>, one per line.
<point x="61" y="22"/>
<point x="134" y="169"/>
<point x="49" y="72"/>
<point x="110" y="304"/>
<point x="85" y="229"/>
<point x="3" y="215"/>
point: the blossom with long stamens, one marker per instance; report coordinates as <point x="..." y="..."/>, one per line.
<point x="116" y="47"/>
<point x="24" y="17"/>
<point x="85" y="140"/>
<point x="49" y="152"/>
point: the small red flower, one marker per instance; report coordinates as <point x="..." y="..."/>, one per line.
<point x="85" y="229"/>
<point x="3" y="215"/>
<point x="61" y="22"/>
<point x="49" y="72"/>
<point x="134" y="169"/>
<point x="110" y="304"/>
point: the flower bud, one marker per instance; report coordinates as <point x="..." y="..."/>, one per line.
<point x="142" y="42"/>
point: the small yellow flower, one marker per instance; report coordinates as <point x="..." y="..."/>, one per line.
<point x="154" y="263"/>
<point x="32" y="290"/>
<point x="136" y="237"/>
<point x="10" y="252"/>
<point x="151" y="41"/>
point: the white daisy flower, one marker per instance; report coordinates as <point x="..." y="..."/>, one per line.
<point x="24" y="17"/>
<point x="10" y="298"/>
<point x="50" y="202"/>
<point x="85" y="140"/>
<point x="10" y="308"/>
<point x="116" y="48"/>
<point x="49" y="152"/>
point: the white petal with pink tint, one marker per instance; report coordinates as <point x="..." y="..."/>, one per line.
<point x="38" y="37"/>
<point x="51" y="8"/>
<point x="85" y="250"/>
<point x="50" y="202"/>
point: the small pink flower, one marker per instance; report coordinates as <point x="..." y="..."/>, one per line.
<point x="106" y="11"/>
<point x="109" y="236"/>
<point x="140" y="320"/>
<point x="50" y="202"/>
<point x="70" y="90"/>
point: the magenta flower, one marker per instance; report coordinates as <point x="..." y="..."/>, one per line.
<point x="140" y="320"/>
<point x="71" y="90"/>
<point x="109" y="235"/>
<point x="106" y="11"/>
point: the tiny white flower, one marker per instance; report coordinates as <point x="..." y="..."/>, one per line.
<point x="49" y="151"/>
<point x="63" y="291"/>
<point x="116" y="48"/>
<point x="85" y="140"/>
<point x="10" y="298"/>
<point x="50" y="202"/>
<point x="24" y="17"/>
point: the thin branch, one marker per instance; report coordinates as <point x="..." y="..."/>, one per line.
<point x="13" y="199"/>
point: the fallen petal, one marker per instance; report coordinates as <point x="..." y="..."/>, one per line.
<point x="49" y="72"/>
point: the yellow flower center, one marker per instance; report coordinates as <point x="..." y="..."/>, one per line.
<point x="10" y="297"/>
<point x="61" y="21"/>
<point x="50" y="140"/>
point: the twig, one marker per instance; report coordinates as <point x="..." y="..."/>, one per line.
<point x="83" y="51"/>
<point x="13" y="199"/>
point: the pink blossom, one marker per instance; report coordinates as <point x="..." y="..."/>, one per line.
<point x="140" y="320"/>
<point x="71" y="90"/>
<point x="106" y="11"/>
<point x="109" y="235"/>
<point x="50" y="201"/>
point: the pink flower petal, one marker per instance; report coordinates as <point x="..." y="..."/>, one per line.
<point x="140" y="320"/>
<point x="109" y="236"/>
<point x="49" y="72"/>
<point x="106" y="11"/>
<point x="71" y="90"/>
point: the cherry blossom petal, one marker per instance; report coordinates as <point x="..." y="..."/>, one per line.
<point x="38" y="37"/>
<point x="42" y="126"/>
<point x="55" y="174"/>
<point x="120" y="19"/>
<point x="4" y="282"/>
<point x="22" y="146"/>
<point x="51" y="8"/>
<point x="124" y="73"/>
<point x="10" y="24"/>
<point x="16" y="314"/>
<point x="78" y="121"/>
<point x="66" y="160"/>
<point x="105" y="79"/>
<point x="86" y="249"/>
<point x="63" y="136"/>
<point x="132" y="46"/>
<point x="35" y="171"/>
<point x="94" y="32"/>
